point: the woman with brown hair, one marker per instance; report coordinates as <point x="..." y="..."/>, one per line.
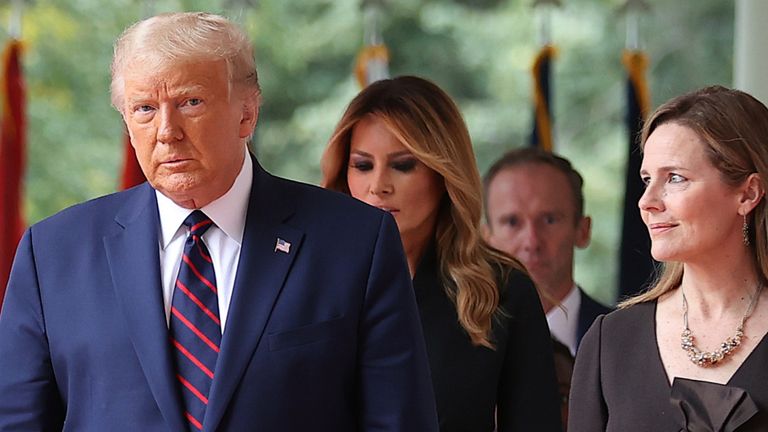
<point x="403" y="146"/>
<point x="690" y="354"/>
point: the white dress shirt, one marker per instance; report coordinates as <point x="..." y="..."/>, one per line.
<point x="563" y="324"/>
<point x="223" y="239"/>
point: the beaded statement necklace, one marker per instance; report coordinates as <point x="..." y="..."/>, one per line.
<point x="704" y="358"/>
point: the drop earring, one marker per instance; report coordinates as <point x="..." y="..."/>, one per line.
<point x="745" y="231"/>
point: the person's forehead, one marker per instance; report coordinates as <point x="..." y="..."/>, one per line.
<point x="534" y="186"/>
<point x="189" y="74"/>
<point x="532" y="176"/>
<point x="674" y="145"/>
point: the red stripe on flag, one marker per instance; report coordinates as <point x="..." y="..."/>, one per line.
<point x="192" y="388"/>
<point x="194" y="329"/>
<point x="13" y="130"/>
<point x="132" y="173"/>
<point x="197" y="301"/>
<point x="192" y="358"/>
<point x="197" y="273"/>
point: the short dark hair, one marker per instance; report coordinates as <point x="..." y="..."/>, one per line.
<point x="535" y="155"/>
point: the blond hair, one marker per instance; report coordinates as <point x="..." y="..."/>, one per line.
<point x="177" y="38"/>
<point x="732" y="126"/>
<point x="428" y="123"/>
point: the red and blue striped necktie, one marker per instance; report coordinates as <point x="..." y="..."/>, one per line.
<point x="195" y="329"/>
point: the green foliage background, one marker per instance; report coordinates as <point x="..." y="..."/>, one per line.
<point x="480" y="51"/>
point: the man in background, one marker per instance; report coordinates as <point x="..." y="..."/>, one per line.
<point x="535" y="212"/>
<point x="534" y="207"/>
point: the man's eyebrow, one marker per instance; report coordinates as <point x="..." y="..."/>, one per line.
<point x="140" y="95"/>
<point x="194" y="88"/>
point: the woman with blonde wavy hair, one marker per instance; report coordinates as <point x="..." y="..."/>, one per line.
<point x="690" y="354"/>
<point x="403" y="146"/>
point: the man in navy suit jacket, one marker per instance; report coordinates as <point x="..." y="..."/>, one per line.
<point x="319" y="325"/>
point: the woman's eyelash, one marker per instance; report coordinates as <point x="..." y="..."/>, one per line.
<point x="404" y="165"/>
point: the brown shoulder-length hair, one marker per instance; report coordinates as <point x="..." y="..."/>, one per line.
<point x="733" y="126"/>
<point x="429" y="125"/>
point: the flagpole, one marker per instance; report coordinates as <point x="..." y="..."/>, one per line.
<point x="13" y="130"/>
<point x="240" y="6"/>
<point x="148" y="8"/>
<point x="632" y="9"/>
<point x="634" y="57"/>
<point x="372" y="63"/>
<point x="636" y="266"/>
<point x="544" y="9"/>
<point x="632" y="41"/>
<point x="371" y="23"/>
<point x="541" y="134"/>
<point x="14" y="20"/>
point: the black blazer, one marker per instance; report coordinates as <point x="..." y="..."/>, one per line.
<point x="470" y="382"/>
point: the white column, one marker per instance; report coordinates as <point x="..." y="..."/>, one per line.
<point x="750" y="59"/>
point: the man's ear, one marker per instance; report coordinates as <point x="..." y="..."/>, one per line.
<point x="751" y="195"/>
<point x="250" y="114"/>
<point x="583" y="232"/>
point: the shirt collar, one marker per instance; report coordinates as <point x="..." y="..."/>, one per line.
<point x="563" y="319"/>
<point x="570" y="303"/>
<point x="228" y="211"/>
<point x="573" y="299"/>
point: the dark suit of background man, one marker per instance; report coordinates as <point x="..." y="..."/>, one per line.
<point x="534" y="208"/>
<point x="320" y="328"/>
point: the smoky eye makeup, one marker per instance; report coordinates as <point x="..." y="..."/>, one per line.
<point x="360" y="164"/>
<point x="404" y="165"/>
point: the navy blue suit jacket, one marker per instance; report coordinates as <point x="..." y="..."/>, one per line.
<point x="323" y="338"/>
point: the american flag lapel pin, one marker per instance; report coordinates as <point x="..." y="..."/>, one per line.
<point x="282" y="246"/>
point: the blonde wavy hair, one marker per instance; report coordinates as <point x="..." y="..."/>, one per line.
<point x="733" y="126"/>
<point x="428" y="124"/>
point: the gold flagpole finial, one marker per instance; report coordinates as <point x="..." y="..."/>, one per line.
<point x="372" y="62"/>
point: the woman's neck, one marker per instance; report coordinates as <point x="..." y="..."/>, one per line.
<point x="414" y="245"/>
<point x="719" y="291"/>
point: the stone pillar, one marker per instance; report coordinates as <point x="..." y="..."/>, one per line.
<point x="750" y="59"/>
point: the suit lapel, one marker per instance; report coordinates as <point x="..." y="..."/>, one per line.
<point x="134" y="264"/>
<point x="261" y="273"/>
